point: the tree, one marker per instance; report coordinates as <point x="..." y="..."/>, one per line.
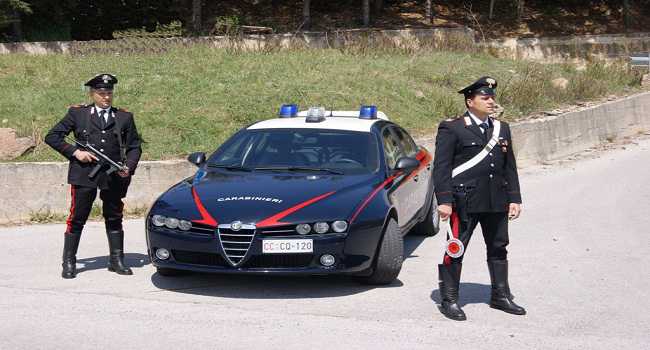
<point x="306" y="17"/>
<point x="520" y="10"/>
<point x="196" y="17"/>
<point x="626" y="14"/>
<point x="10" y="12"/>
<point x="429" y="11"/>
<point x="366" y="13"/>
<point x="491" y="16"/>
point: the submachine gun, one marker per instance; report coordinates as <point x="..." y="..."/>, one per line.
<point x="103" y="160"/>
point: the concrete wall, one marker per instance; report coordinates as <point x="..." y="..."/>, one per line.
<point x="28" y="188"/>
<point x="449" y="37"/>
<point x="556" y="137"/>
<point x="576" y="49"/>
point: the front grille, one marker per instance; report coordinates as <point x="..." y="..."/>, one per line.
<point x="197" y="258"/>
<point x="279" y="260"/>
<point x="235" y="244"/>
<point x="258" y="261"/>
<point x="285" y="230"/>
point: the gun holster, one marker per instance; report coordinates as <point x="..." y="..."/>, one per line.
<point x="461" y="203"/>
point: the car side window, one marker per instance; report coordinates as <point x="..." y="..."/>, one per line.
<point x="408" y="145"/>
<point x="392" y="149"/>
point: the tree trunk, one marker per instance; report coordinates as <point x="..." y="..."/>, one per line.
<point x="520" y="10"/>
<point x="491" y="9"/>
<point x="17" y="27"/>
<point x="379" y="5"/>
<point x="196" y="17"/>
<point x="626" y="14"/>
<point x="366" y="13"/>
<point x="306" y="17"/>
<point x="428" y="11"/>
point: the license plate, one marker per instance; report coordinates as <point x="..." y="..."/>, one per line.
<point x="275" y="246"/>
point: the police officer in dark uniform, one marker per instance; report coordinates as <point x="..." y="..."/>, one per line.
<point x="476" y="182"/>
<point x="112" y="131"/>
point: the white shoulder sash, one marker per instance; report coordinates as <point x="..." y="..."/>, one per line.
<point x="481" y="155"/>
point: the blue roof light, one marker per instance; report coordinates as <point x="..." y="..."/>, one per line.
<point x="288" y="111"/>
<point x="368" y="112"/>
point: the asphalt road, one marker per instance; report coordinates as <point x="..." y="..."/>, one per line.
<point x="580" y="264"/>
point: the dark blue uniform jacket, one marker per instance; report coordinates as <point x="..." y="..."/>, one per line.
<point x="84" y="122"/>
<point x="487" y="187"/>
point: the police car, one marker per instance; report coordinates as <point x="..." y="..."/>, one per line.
<point x="310" y="192"/>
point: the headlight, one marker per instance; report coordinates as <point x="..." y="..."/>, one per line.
<point x="321" y="227"/>
<point x="184" y="225"/>
<point x="171" y="222"/>
<point x="158" y="220"/>
<point x="339" y="226"/>
<point x="303" y="229"/>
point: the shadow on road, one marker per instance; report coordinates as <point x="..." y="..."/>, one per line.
<point x="263" y="287"/>
<point x="470" y="293"/>
<point x="411" y="243"/>
<point x="132" y="260"/>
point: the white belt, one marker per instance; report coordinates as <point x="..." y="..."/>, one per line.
<point x="481" y="155"/>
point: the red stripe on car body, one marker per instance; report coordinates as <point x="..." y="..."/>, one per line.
<point x="206" y="218"/>
<point x="372" y="195"/>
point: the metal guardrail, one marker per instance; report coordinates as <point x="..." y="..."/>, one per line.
<point x="640" y="59"/>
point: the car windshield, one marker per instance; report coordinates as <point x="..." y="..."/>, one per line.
<point x="304" y="150"/>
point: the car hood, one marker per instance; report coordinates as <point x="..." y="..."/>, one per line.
<point x="266" y="198"/>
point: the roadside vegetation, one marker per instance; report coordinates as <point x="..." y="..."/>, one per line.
<point x="189" y="99"/>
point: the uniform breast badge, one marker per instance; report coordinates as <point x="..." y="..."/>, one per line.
<point x="504" y="145"/>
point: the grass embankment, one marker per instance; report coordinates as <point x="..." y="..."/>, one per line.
<point x="192" y="99"/>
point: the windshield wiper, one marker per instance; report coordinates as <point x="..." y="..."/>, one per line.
<point x="300" y="168"/>
<point x="229" y="167"/>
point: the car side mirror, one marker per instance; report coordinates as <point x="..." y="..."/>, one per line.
<point x="196" y="158"/>
<point x="407" y="164"/>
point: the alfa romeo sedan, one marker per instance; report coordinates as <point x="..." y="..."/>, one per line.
<point x="311" y="192"/>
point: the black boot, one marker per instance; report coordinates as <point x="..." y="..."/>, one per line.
<point x="449" y="280"/>
<point x="70" y="245"/>
<point x="116" y="247"/>
<point x="501" y="298"/>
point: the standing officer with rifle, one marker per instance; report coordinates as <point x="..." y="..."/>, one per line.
<point x="104" y="155"/>
<point x="476" y="182"/>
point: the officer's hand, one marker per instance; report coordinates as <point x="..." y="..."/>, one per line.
<point x="444" y="210"/>
<point x="514" y="211"/>
<point x="83" y="156"/>
<point x="124" y="173"/>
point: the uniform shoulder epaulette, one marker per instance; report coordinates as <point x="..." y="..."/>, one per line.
<point x="122" y="109"/>
<point x="78" y="105"/>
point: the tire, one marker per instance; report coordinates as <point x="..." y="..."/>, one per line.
<point x="430" y="225"/>
<point x="390" y="256"/>
<point x="167" y="272"/>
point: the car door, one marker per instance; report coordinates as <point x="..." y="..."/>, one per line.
<point x="404" y="185"/>
<point x="423" y="176"/>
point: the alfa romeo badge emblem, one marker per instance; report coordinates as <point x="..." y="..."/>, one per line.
<point x="235" y="225"/>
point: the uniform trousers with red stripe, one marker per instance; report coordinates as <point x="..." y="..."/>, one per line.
<point x="495" y="233"/>
<point x="82" y="204"/>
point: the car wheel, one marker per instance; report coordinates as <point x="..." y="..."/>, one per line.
<point x="390" y="256"/>
<point x="431" y="223"/>
<point x="167" y="272"/>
